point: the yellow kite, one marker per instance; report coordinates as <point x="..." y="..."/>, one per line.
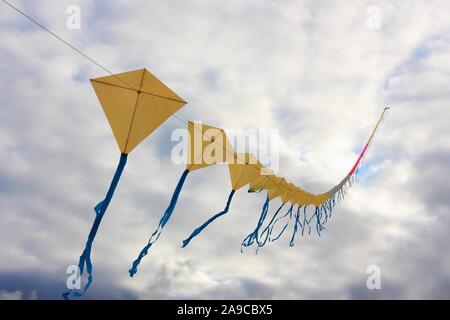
<point x="207" y="146"/>
<point x="244" y="169"/>
<point x="135" y="104"/>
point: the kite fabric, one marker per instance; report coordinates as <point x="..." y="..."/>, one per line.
<point x="135" y="103"/>
<point x="207" y="146"/>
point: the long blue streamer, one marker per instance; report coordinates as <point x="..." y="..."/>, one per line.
<point x="207" y="222"/>
<point x="164" y="219"/>
<point x="100" y="209"/>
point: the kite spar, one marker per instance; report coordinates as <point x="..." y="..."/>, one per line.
<point x="135" y="103"/>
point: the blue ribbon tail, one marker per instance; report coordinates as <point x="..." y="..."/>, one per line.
<point x="253" y="236"/>
<point x="197" y="231"/>
<point x="100" y="209"/>
<point x="164" y="219"/>
<point x="289" y="212"/>
<point x="297" y="223"/>
<point x="268" y="230"/>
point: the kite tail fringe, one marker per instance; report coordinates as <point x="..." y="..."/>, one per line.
<point x="320" y="222"/>
<point x="296" y="225"/>
<point x="289" y="212"/>
<point x="100" y="210"/>
<point x="339" y="196"/>
<point x="164" y="219"/>
<point x="265" y="234"/>
<point x="306" y="222"/>
<point x="323" y="213"/>
<point x="261" y="238"/>
<point x="254" y="236"/>
<point x="197" y="231"/>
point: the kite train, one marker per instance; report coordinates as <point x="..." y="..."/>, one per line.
<point x="136" y="103"/>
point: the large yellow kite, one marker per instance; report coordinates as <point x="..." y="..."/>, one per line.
<point x="135" y="103"/>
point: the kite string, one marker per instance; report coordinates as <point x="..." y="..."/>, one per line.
<point x="102" y="67"/>
<point x="71" y="46"/>
<point x="121" y="80"/>
<point x="318" y="213"/>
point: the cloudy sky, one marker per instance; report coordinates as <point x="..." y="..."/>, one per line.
<point x="319" y="72"/>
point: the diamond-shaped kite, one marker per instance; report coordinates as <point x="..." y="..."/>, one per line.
<point x="207" y="146"/>
<point x="135" y="103"/>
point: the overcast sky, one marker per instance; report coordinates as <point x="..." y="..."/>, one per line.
<point x="320" y="72"/>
